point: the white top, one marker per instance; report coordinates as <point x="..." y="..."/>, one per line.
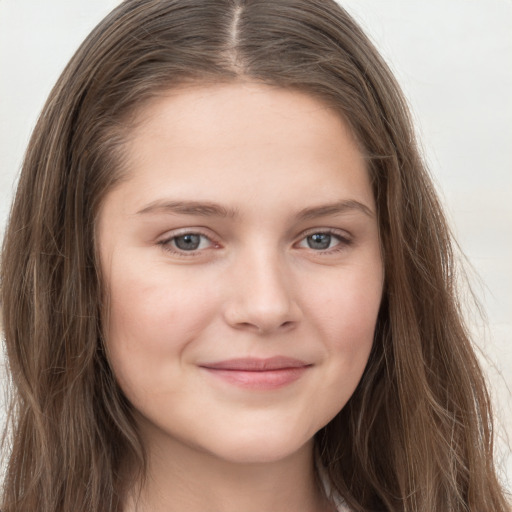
<point x="338" y="501"/>
<point x="341" y="507"/>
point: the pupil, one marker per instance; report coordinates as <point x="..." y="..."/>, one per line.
<point x="319" y="241"/>
<point x="187" y="242"/>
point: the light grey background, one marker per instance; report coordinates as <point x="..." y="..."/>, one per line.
<point x="453" y="59"/>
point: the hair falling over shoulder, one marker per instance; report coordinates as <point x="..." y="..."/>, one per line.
<point x="417" y="434"/>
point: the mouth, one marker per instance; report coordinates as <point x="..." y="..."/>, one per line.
<point x="256" y="373"/>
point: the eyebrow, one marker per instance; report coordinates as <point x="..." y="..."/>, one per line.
<point x="336" y="208"/>
<point x="210" y="209"/>
<point x="204" y="209"/>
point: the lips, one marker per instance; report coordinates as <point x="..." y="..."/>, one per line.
<point x="255" y="373"/>
<point x="251" y="364"/>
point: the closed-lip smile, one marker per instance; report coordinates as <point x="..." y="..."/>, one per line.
<point x="258" y="373"/>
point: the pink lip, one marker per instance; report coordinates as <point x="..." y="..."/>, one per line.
<point x="255" y="373"/>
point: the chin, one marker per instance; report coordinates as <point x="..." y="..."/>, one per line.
<point x="260" y="448"/>
<point x="258" y="454"/>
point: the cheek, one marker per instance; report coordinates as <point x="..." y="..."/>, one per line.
<point x="154" y="316"/>
<point x="346" y="306"/>
<point x="348" y="339"/>
<point x="346" y="314"/>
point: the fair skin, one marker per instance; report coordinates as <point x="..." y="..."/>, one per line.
<point x="242" y="261"/>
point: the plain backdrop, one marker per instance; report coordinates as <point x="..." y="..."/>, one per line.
<point x="453" y="59"/>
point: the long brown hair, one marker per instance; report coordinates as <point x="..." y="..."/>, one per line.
<point x="416" y="435"/>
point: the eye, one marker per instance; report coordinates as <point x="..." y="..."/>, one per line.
<point x="187" y="242"/>
<point x="324" y="241"/>
<point x="320" y="241"/>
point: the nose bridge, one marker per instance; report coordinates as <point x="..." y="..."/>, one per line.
<point x="262" y="296"/>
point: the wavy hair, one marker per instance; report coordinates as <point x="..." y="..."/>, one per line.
<point x="417" y="433"/>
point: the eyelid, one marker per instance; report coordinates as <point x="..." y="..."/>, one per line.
<point x="341" y="233"/>
<point x="194" y="230"/>
<point x="344" y="237"/>
<point x="165" y="241"/>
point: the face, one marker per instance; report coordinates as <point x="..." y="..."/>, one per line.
<point x="242" y="259"/>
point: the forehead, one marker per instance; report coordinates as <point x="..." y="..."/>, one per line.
<point x="235" y="105"/>
<point x="244" y="137"/>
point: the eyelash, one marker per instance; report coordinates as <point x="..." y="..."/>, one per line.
<point x="167" y="246"/>
<point x="344" y="241"/>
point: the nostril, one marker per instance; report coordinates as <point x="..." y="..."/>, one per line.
<point x="285" y="326"/>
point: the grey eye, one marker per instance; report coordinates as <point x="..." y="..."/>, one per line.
<point x="188" y="242"/>
<point x="319" y="241"/>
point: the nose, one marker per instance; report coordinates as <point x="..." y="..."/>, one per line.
<point x="262" y="295"/>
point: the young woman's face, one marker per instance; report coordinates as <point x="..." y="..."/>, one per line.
<point x="242" y="259"/>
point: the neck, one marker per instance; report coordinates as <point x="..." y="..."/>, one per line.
<point x="181" y="479"/>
